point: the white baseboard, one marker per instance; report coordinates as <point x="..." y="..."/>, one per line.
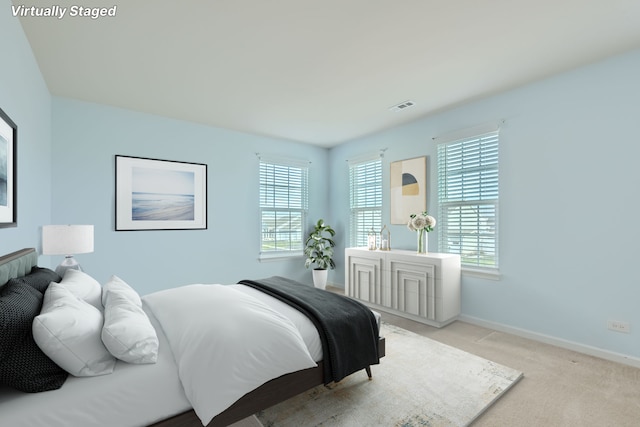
<point x="558" y="342"/>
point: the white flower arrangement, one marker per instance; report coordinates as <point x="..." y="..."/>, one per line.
<point x="421" y="222"/>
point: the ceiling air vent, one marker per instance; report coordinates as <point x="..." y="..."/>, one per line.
<point x="402" y="106"/>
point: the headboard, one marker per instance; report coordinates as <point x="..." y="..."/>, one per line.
<point x="17" y="264"/>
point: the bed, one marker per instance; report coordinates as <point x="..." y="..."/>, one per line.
<point x="155" y="394"/>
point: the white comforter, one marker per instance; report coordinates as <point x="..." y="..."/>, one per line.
<point x="225" y="343"/>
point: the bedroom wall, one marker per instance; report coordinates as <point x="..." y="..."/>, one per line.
<point x="86" y="137"/>
<point x="567" y="235"/>
<point x="568" y="203"/>
<point x="24" y="97"/>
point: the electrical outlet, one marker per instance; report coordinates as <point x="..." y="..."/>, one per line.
<point x="618" y="326"/>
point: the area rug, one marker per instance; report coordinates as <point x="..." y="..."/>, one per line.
<point x="420" y="382"/>
<point x="252" y="421"/>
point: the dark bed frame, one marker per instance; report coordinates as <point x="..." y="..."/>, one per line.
<point x="275" y="391"/>
<point x="269" y="394"/>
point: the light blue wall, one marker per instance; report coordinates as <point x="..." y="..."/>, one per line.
<point x="86" y="139"/>
<point x="569" y="197"/>
<point x="24" y="97"/>
<point x="568" y="241"/>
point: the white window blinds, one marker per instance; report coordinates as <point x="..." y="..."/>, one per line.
<point x="468" y="199"/>
<point x="283" y="206"/>
<point x="365" y="182"/>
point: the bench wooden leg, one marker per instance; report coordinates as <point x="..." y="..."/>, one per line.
<point x="368" y="369"/>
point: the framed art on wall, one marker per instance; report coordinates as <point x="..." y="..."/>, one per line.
<point x="153" y="194"/>
<point x="8" y="175"/>
<point x="408" y="188"/>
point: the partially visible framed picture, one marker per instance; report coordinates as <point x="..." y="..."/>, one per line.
<point x="153" y="194"/>
<point x="8" y="175"/>
<point x="408" y="188"/>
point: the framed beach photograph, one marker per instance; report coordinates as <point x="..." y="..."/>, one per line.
<point x="408" y="188"/>
<point x="153" y="194"/>
<point x="8" y="175"/>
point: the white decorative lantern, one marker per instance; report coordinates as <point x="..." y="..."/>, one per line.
<point x="385" y="239"/>
<point x="371" y="240"/>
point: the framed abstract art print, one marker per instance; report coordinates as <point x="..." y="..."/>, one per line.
<point x="408" y="188"/>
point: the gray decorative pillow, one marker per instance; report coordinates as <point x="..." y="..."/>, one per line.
<point x="39" y="278"/>
<point x="23" y="365"/>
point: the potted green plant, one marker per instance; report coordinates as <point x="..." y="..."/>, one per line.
<point x="319" y="251"/>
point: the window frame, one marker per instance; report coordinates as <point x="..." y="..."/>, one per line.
<point x="470" y="184"/>
<point x="363" y="207"/>
<point x="273" y="189"/>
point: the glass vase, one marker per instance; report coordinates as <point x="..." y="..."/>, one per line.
<point x="422" y="241"/>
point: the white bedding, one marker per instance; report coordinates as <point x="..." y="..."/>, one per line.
<point x="133" y="395"/>
<point x="305" y="326"/>
<point x="250" y="345"/>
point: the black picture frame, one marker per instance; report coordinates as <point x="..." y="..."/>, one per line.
<point x="155" y="194"/>
<point x="8" y="171"/>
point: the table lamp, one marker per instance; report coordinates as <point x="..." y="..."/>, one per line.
<point x="67" y="240"/>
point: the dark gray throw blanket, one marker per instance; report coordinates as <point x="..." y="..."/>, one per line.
<point x="348" y="329"/>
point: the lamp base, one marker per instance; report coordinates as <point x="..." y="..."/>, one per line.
<point x="69" y="263"/>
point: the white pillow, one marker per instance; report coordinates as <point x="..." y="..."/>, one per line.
<point x="127" y="333"/>
<point x="68" y="331"/>
<point x="117" y="284"/>
<point x="83" y="286"/>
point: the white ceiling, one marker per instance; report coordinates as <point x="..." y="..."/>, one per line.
<point x="318" y="71"/>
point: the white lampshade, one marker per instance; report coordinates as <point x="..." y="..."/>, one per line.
<point x="67" y="240"/>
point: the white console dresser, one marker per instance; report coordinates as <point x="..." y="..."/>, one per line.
<point x="425" y="288"/>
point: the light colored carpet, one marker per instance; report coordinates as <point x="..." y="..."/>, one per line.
<point x="420" y="382"/>
<point x="252" y="421"/>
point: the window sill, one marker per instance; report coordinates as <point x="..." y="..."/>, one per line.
<point x="279" y="256"/>
<point x="482" y="274"/>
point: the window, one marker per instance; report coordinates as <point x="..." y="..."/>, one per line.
<point x="365" y="183"/>
<point x="468" y="199"/>
<point x="283" y="207"/>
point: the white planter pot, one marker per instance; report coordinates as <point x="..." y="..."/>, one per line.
<point x="320" y="278"/>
